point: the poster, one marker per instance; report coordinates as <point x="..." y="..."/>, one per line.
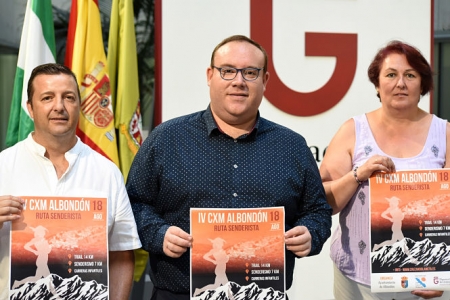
<point x="238" y="253"/>
<point x="59" y="248"/>
<point x="410" y="230"/>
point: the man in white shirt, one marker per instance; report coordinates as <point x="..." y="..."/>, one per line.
<point x="52" y="161"/>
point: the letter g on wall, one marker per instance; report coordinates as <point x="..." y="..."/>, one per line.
<point x="343" y="46"/>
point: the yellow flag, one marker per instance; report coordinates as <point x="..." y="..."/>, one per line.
<point x="122" y="63"/>
<point x="85" y="56"/>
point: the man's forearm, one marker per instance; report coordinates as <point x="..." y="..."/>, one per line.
<point x="121" y="269"/>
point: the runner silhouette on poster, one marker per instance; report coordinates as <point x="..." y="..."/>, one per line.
<point x="394" y="214"/>
<point x="218" y="256"/>
<point x="41" y="249"/>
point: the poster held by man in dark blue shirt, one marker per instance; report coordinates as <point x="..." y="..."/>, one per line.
<point x="238" y="252"/>
<point x="226" y="156"/>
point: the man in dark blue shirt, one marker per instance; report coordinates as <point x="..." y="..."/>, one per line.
<point x="224" y="157"/>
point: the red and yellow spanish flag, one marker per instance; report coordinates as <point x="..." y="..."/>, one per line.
<point x="85" y="56"/>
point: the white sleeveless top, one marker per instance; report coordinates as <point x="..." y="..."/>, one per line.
<point x="350" y="249"/>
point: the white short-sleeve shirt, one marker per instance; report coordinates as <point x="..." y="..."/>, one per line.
<point x="25" y="171"/>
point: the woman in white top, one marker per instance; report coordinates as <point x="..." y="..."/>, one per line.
<point x="397" y="136"/>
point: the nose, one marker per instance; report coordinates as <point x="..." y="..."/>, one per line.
<point x="401" y="82"/>
<point x="58" y="104"/>
<point x="239" y="79"/>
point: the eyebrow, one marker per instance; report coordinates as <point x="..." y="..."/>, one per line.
<point x="46" y="93"/>
<point x="52" y="93"/>
<point x="232" y="66"/>
<point x="407" y="70"/>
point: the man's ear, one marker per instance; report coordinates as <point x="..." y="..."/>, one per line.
<point x="265" y="79"/>
<point x="209" y="74"/>
<point x="30" y="109"/>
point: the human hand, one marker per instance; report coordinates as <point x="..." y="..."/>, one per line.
<point x="298" y="240"/>
<point x="10" y="208"/>
<point x="427" y="294"/>
<point x="176" y="242"/>
<point x="376" y="163"/>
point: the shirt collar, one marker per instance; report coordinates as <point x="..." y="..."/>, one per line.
<point x="213" y="129"/>
<point x="40" y="150"/>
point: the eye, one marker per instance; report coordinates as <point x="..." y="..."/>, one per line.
<point x="70" y="98"/>
<point x="228" y="71"/>
<point x="390" y="75"/>
<point x="251" y="72"/>
<point x="410" y="75"/>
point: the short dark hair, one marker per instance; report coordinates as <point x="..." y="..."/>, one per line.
<point x="414" y="58"/>
<point x="240" y="38"/>
<point x="49" y="69"/>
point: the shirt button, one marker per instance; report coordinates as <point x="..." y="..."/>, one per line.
<point x="235" y="141"/>
<point x="235" y="166"/>
<point x="235" y="194"/>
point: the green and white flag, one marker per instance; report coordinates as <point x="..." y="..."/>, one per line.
<point x="37" y="46"/>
